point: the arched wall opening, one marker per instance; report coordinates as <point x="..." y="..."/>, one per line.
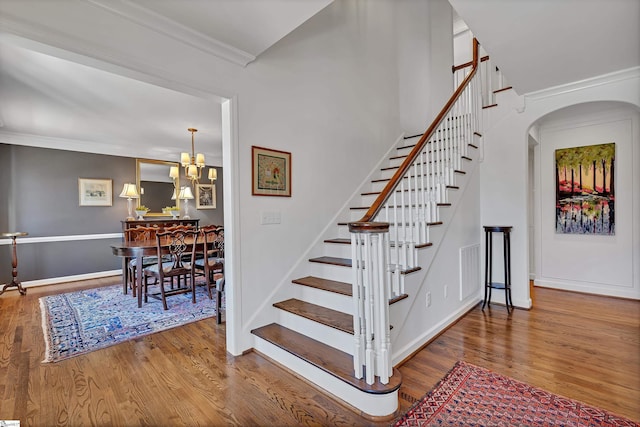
<point x="582" y="258"/>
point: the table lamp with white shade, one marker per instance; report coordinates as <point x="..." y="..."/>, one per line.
<point x="186" y="194"/>
<point x="130" y="192"/>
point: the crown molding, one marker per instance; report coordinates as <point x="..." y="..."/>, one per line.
<point x="605" y="79"/>
<point x="145" y="151"/>
<point x="30" y="140"/>
<point x="161" y="24"/>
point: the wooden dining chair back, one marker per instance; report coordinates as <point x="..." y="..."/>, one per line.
<point x="136" y="234"/>
<point x="177" y="251"/>
<point x="211" y="265"/>
<point x="179" y="227"/>
<point x="140" y="233"/>
<point x="218" y="242"/>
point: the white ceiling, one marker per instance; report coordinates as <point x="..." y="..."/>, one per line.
<point x="540" y="44"/>
<point x="49" y="101"/>
<point x="55" y="102"/>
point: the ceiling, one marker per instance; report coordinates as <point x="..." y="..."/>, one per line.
<point x="53" y="102"/>
<point x="49" y="101"/>
<point x="540" y="44"/>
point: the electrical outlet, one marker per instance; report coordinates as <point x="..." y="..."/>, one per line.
<point x="446" y="290"/>
<point x="428" y="299"/>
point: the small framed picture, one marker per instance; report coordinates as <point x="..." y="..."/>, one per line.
<point x="95" y="192"/>
<point x="205" y="196"/>
<point x="270" y="172"/>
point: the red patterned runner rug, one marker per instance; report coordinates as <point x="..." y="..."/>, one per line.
<point x="473" y="396"/>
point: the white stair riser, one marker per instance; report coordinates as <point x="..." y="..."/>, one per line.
<point x="343" y="232"/>
<point x="330" y="272"/>
<point x="330" y="300"/>
<point x="339" y="250"/>
<point x="319" y="332"/>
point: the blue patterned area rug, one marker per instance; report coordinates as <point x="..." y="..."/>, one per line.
<point x="79" y="322"/>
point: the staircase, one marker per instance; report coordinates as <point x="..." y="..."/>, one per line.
<point x="329" y="331"/>
<point x="332" y="322"/>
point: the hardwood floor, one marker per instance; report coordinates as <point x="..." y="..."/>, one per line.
<point x="581" y="346"/>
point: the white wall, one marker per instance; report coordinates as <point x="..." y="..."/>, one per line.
<point x="504" y="183"/>
<point x="414" y="322"/>
<point x="589" y="263"/>
<point x="327" y="93"/>
<point x="425" y="55"/>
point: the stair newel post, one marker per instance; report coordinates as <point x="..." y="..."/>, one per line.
<point x="358" y="302"/>
<point x="370" y="266"/>
<point x="381" y="306"/>
<point x="369" y="310"/>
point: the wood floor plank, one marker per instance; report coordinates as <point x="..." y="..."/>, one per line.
<point x="580" y="346"/>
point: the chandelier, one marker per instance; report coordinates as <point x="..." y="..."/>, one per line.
<point x="194" y="163"/>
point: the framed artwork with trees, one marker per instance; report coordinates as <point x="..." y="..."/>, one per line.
<point x="585" y="189"/>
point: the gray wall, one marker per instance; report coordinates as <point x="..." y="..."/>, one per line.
<point x="39" y="190"/>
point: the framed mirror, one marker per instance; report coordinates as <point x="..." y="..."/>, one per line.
<point x="156" y="186"/>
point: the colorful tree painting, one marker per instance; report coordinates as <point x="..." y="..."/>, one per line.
<point x="585" y="191"/>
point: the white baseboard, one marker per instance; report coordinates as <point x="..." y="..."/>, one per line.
<point x="64" y="279"/>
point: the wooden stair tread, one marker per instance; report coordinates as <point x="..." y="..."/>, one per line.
<point x="411" y="270"/>
<point x="419" y="176"/>
<point x="346" y="241"/>
<point x="388" y="168"/>
<point x="345" y="262"/>
<point x="325" y="316"/>
<point x="398" y="298"/>
<point x="503" y="89"/>
<point x="356" y="208"/>
<point x="326" y="285"/>
<point x="423" y="245"/>
<point x="429" y="223"/>
<point x="340" y="240"/>
<point x="375" y="193"/>
<point x="333" y="361"/>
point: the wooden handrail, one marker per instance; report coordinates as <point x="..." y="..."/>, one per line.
<point x="467" y="64"/>
<point x="413" y="155"/>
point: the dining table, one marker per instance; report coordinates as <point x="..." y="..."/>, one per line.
<point x="141" y="248"/>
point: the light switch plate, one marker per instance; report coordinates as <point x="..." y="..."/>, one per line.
<point x="270" y="217"/>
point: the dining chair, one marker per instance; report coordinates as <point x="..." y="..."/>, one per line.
<point x="211" y="264"/>
<point x="177" y="250"/>
<point x="135" y="234"/>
